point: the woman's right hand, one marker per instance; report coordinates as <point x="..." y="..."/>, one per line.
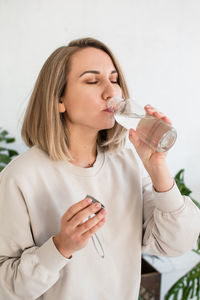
<point x="75" y="233"/>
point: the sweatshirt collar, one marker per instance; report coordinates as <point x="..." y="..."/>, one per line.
<point x="87" y="172"/>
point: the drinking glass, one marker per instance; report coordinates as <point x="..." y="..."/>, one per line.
<point x="156" y="133"/>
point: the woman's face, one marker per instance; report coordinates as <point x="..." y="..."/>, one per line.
<point x="91" y="82"/>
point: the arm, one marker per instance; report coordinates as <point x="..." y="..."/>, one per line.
<point x="171" y="222"/>
<point x="26" y="271"/>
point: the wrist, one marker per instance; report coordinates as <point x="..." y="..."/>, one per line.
<point x="164" y="188"/>
<point x="57" y="243"/>
<point x="161" y="178"/>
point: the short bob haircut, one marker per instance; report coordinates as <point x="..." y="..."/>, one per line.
<point x="43" y="125"/>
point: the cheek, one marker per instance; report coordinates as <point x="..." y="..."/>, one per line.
<point x="79" y="109"/>
<point x="120" y="92"/>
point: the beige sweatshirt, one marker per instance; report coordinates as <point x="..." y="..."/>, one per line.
<point x="36" y="191"/>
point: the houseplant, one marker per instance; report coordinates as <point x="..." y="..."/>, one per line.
<point x="188" y="286"/>
<point x="6" y="154"/>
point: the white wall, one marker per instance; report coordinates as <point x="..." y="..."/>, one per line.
<point x="156" y="42"/>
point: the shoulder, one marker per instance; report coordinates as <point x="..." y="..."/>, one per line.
<point x="26" y="163"/>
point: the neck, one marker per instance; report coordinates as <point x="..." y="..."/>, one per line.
<point x="83" y="148"/>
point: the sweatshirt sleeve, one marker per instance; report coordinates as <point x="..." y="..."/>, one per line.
<point x="171" y="222"/>
<point x="26" y="271"/>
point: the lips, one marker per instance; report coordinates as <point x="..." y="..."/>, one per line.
<point x="110" y="110"/>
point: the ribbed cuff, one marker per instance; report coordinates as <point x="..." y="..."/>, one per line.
<point x="168" y="201"/>
<point x="50" y="257"/>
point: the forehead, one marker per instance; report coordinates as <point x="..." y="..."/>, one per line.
<point x="91" y="59"/>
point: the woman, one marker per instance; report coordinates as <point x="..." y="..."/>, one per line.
<point x="52" y="237"/>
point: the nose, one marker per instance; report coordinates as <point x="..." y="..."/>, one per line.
<point x="109" y="91"/>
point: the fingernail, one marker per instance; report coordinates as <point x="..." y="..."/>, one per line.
<point x="88" y="200"/>
<point x="149" y="107"/>
<point x="97" y="205"/>
<point x="131" y="132"/>
<point x="133" y="135"/>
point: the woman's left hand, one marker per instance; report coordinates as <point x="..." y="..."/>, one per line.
<point x="154" y="162"/>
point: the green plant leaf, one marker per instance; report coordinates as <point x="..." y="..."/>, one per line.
<point x="3" y="133"/>
<point x="187" y="286"/>
<point x="4" y="158"/>
<point x="196" y="202"/>
<point x="198" y="248"/>
<point x="179" y="178"/>
<point x="2" y="139"/>
<point x="180" y="175"/>
<point x="9" y="140"/>
<point x="3" y="149"/>
<point x="6" y="154"/>
<point x="12" y="152"/>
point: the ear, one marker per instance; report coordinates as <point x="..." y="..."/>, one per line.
<point x="61" y="107"/>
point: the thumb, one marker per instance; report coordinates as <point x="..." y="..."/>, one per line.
<point x="133" y="137"/>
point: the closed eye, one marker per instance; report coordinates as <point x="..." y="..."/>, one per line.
<point x="94" y="82"/>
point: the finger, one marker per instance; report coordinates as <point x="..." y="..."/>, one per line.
<point x="143" y="150"/>
<point x="91" y="222"/>
<point x="94" y="229"/>
<point x="153" y="111"/>
<point x="75" y="208"/>
<point x="162" y="116"/>
<point x="150" y="109"/>
<point x="133" y="137"/>
<point x="84" y="214"/>
<point x="167" y="120"/>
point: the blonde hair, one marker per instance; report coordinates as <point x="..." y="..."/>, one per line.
<point x="43" y="125"/>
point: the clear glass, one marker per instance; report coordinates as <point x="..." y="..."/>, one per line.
<point x="154" y="132"/>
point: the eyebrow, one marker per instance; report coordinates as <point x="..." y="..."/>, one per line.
<point x="96" y="72"/>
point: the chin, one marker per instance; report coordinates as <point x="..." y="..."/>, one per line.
<point x="108" y="126"/>
<point x="104" y="123"/>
